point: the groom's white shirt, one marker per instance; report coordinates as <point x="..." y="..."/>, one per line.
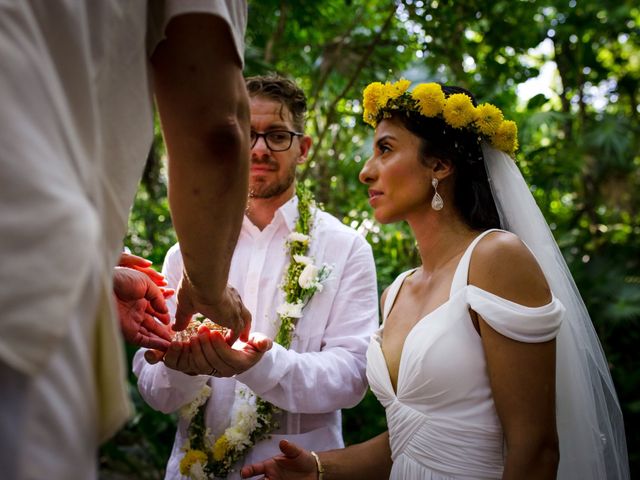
<point x="323" y="371"/>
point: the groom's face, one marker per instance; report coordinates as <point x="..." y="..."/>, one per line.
<point x="272" y="173"/>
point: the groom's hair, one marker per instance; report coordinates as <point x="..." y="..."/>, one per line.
<point x="284" y="91"/>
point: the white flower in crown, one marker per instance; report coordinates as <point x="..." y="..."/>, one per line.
<point x="290" y="310"/>
<point x="309" y="277"/>
<point x="303" y="259"/>
<point x="298" y="237"/>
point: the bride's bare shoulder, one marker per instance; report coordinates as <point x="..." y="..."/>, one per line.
<point x="503" y="265"/>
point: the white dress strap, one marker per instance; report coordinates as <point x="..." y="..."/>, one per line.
<point x="461" y="276"/>
<point x="392" y="293"/>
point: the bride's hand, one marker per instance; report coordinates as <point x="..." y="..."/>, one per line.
<point x="294" y="463"/>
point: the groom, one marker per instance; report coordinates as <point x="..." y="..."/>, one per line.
<point x="324" y="368"/>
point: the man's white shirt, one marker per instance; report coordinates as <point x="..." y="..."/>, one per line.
<point x="323" y="371"/>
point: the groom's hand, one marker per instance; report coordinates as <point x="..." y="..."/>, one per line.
<point x="208" y="353"/>
<point x="142" y="310"/>
<point x="293" y="463"/>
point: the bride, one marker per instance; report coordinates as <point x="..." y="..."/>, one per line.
<point x="487" y="363"/>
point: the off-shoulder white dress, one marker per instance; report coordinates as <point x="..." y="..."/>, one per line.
<point x="442" y="419"/>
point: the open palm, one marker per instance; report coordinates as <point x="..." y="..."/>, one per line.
<point x="142" y="310"/>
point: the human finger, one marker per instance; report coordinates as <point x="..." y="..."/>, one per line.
<point x="149" y="340"/>
<point x="154" y="276"/>
<point x="155" y="297"/>
<point x="167" y="292"/>
<point x="157" y="328"/>
<point x="199" y="361"/>
<point x="153" y="356"/>
<point x="212" y="343"/>
<point x="260" y="342"/>
<point x="130" y="260"/>
<point x="172" y="358"/>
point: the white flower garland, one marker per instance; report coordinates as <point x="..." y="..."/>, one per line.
<point x="251" y="416"/>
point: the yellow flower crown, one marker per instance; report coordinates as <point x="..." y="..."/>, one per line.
<point x="428" y="99"/>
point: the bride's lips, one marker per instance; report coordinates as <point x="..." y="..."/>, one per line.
<point x="374" y="195"/>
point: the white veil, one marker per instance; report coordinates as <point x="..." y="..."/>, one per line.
<point x="589" y="419"/>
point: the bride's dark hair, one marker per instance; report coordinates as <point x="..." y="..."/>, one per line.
<point x="462" y="147"/>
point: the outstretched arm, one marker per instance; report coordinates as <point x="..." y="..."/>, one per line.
<point x="204" y="112"/>
<point x="369" y="460"/>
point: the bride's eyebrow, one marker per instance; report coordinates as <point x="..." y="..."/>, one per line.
<point x="383" y="139"/>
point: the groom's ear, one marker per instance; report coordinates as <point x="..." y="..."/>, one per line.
<point x="305" y="146"/>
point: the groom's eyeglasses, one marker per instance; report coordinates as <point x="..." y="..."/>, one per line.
<point x="276" y="140"/>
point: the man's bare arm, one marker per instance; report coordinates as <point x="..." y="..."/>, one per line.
<point x="204" y="112"/>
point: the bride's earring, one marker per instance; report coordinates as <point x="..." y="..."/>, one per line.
<point x="436" y="202"/>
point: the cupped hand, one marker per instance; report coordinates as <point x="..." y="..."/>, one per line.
<point x="294" y="463"/>
<point x="142" y="309"/>
<point x="142" y="265"/>
<point x="228" y="310"/>
<point x="209" y="353"/>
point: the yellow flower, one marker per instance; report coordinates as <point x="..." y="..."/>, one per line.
<point x="388" y="92"/>
<point x="430" y="98"/>
<point x="370" y="101"/>
<point x="459" y="111"/>
<point x="401" y="86"/>
<point x="506" y="137"/>
<point x="488" y="118"/>
<point x="191" y="457"/>
<point x="220" y="448"/>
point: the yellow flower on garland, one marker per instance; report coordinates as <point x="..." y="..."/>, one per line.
<point x="190" y="458"/>
<point x="220" y="448"/>
<point x="459" y="110"/>
<point x="430" y="98"/>
<point x="506" y="137"/>
<point x="488" y="118"/>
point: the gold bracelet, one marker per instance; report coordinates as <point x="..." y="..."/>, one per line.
<point x="318" y="465"/>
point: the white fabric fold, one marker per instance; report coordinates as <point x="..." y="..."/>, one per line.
<point x="518" y="322"/>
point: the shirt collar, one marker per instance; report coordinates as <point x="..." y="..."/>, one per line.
<point x="287" y="214"/>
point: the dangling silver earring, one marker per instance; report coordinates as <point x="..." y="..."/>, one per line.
<point x="436" y="202"/>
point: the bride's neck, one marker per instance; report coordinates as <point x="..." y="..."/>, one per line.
<point x="441" y="239"/>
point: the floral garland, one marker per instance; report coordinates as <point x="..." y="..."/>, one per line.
<point x="251" y="416"/>
<point x="429" y="100"/>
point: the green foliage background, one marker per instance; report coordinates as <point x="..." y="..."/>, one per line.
<point x="579" y="150"/>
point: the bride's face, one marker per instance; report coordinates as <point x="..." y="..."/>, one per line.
<point x="399" y="184"/>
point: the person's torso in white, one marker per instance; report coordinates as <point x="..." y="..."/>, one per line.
<point x="341" y="317"/>
<point x="76" y="129"/>
<point x="442" y="419"/>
